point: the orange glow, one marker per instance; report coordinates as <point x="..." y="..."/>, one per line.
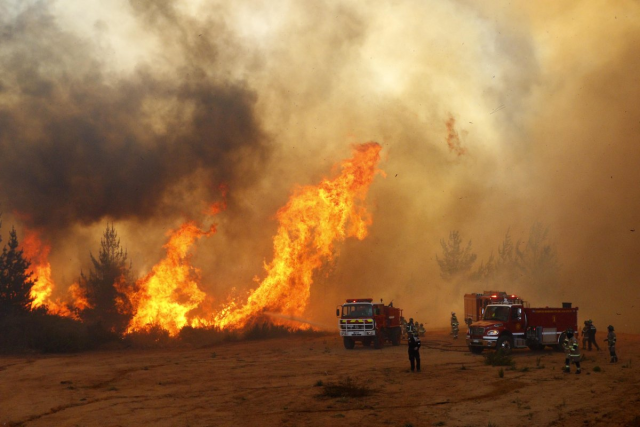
<point x="311" y="223"/>
<point x="170" y="291"/>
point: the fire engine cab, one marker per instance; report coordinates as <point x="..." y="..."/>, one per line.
<point x="365" y="321"/>
<point x="507" y="325"/>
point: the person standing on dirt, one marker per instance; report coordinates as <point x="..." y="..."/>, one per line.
<point x="585" y="334"/>
<point x="571" y="351"/>
<point x="414" y="351"/>
<point x="611" y="339"/>
<point x="592" y="336"/>
<point x="454" y="325"/>
<point x="410" y="326"/>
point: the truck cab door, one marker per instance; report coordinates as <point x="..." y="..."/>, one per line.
<point x="518" y="321"/>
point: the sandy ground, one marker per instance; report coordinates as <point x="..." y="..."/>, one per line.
<point x="277" y="382"/>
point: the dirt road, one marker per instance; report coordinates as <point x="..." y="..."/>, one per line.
<point x="280" y="382"/>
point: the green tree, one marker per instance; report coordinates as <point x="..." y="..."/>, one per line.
<point x="15" y="282"/>
<point x="455" y="261"/>
<point x="107" y="285"/>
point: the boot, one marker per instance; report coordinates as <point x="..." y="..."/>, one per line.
<point x="578" y="371"/>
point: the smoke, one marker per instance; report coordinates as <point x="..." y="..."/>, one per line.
<point x="135" y="113"/>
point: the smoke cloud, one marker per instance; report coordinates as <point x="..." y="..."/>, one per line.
<point x="135" y="112"/>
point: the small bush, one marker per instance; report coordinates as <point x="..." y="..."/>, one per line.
<point x="501" y="373"/>
<point x="498" y="358"/>
<point x="597" y="369"/>
<point x="346" y="388"/>
<point x="318" y="383"/>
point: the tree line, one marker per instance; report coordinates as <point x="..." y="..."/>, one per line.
<point x="530" y="262"/>
<point x="105" y="287"/>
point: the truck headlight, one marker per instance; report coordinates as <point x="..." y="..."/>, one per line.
<point x="492" y="332"/>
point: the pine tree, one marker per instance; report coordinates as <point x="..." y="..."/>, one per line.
<point x="107" y="285"/>
<point x="455" y="261"/>
<point x="15" y="282"/>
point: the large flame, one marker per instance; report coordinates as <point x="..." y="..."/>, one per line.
<point x="37" y="252"/>
<point x="170" y="291"/>
<point x="314" y="219"/>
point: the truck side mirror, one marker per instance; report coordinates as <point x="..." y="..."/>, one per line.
<point x="337" y="312"/>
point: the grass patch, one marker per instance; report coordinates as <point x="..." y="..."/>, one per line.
<point x="498" y="358"/>
<point x="346" y="388"/>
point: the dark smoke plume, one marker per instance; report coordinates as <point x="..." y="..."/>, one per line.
<point x="79" y="143"/>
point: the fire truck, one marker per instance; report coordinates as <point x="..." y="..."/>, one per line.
<point x="474" y="304"/>
<point x="507" y="325"/>
<point x="369" y="323"/>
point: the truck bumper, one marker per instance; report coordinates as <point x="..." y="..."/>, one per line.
<point x="485" y="342"/>
<point x="357" y="334"/>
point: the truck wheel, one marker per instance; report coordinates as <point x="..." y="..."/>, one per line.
<point x="367" y="342"/>
<point x="378" y="341"/>
<point x="349" y="343"/>
<point x="476" y="350"/>
<point x="505" y="343"/>
<point x="395" y="336"/>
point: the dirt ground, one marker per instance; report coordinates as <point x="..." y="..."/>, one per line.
<point x="280" y="382"/>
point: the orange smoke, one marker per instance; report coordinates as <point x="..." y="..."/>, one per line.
<point x="170" y="291"/>
<point x="453" y="139"/>
<point x="314" y="219"/>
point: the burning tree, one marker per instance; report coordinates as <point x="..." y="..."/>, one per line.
<point x="107" y="285"/>
<point x="15" y="281"/>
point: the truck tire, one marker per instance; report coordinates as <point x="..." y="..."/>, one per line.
<point x="349" y="343"/>
<point x="505" y="343"/>
<point x="378" y="341"/>
<point x="475" y="350"/>
<point x="396" y="333"/>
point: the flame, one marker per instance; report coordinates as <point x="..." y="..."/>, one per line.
<point x="314" y="219"/>
<point x="170" y="291"/>
<point x="37" y="253"/>
<point x="453" y="139"/>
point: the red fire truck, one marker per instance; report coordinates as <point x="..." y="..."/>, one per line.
<point x="512" y="325"/>
<point x="363" y="320"/>
<point x="474" y="304"/>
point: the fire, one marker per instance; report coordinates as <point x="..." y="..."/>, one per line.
<point x="170" y="291"/>
<point x="314" y="219"/>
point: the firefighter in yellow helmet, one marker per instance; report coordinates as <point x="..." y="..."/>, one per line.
<point x="572" y="351"/>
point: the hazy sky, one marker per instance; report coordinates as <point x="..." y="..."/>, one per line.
<point x="135" y="111"/>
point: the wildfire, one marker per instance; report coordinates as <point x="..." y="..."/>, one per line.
<point x="314" y="219"/>
<point x="170" y="291"/>
<point x="37" y="253"/>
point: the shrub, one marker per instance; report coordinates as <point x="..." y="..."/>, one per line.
<point x="498" y="358"/>
<point x="346" y="388"/>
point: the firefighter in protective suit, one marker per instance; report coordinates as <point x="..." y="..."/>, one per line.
<point x="611" y="339"/>
<point x="454" y="325"/>
<point x="585" y="334"/>
<point x="572" y="351"/>
<point x="414" y="351"/>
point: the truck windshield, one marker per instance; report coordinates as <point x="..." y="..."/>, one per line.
<point x="357" y="310"/>
<point x="496" y="312"/>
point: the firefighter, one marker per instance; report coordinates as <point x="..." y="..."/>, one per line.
<point x="410" y="325"/>
<point x="454" y="321"/>
<point x="421" y="330"/>
<point x="592" y="336"/>
<point x="414" y="351"/>
<point x="611" y="339"/>
<point x="572" y="351"/>
<point x="403" y="323"/>
<point x="585" y="334"/>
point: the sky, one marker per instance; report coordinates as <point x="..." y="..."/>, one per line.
<point x="492" y="117"/>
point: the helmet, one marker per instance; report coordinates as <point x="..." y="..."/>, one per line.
<point x="586" y="322"/>
<point x="610" y="327"/>
<point x="452" y="313"/>
<point x="569" y="331"/>
<point x="590" y="321"/>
